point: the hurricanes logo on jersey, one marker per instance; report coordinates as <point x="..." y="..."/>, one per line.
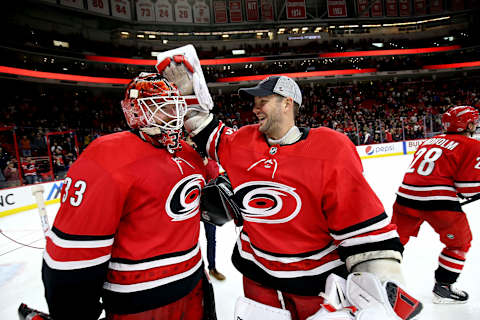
<point x="183" y="202"/>
<point x="267" y="202"/>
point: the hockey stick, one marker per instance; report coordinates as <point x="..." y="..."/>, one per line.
<point x="37" y="192"/>
<point x="470" y="200"/>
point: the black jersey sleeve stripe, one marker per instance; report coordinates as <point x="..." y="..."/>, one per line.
<point x="360" y="226"/>
<point x="201" y="138"/>
<point x="77" y="237"/>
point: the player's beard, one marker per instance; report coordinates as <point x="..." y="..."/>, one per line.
<point x="271" y="123"/>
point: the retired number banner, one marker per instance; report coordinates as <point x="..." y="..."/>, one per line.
<point x="99" y="6"/>
<point x="201" y="12"/>
<point x="404" y="6"/>
<point x="220" y="11"/>
<point x="121" y="9"/>
<point x="391" y="8"/>
<point x="266" y="9"/>
<point x="363" y="10"/>
<point x="296" y="9"/>
<point x="251" y="8"/>
<point x="235" y="10"/>
<point x="337" y="8"/>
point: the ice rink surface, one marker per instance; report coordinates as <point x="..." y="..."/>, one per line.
<point x="20" y="276"/>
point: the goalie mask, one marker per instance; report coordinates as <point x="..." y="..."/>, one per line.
<point x="154" y="106"/>
<point x="456" y="119"/>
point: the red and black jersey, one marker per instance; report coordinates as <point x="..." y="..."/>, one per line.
<point x="442" y="167"/>
<point x="306" y="206"/>
<point x="127" y="228"/>
<point x="29" y="168"/>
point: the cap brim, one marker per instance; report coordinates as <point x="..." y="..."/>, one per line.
<point x="254" y="92"/>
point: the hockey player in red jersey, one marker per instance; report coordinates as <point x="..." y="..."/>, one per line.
<point x="308" y="211"/>
<point x="128" y="226"/>
<point x="443" y="167"/>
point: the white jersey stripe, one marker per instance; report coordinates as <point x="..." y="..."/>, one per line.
<point x="125" y="288"/>
<point x="153" y="264"/>
<point x="426" y="198"/>
<point x="369" y="239"/>
<point x="73" y="265"/>
<point x="316" y="256"/>
<point x="427" y="188"/>
<point x="62" y="243"/>
<point x="289" y="274"/>
<point x="467" y="184"/>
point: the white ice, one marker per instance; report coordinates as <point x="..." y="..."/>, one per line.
<point x="20" y="277"/>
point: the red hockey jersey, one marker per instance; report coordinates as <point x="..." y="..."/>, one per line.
<point x="128" y="222"/>
<point x="442" y="167"/>
<point x="306" y="206"/>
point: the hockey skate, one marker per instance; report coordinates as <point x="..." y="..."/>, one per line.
<point x="447" y="293"/>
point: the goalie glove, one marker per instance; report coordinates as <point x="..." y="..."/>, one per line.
<point x="182" y="67"/>
<point x="380" y="301"/>
<point x="218" y="204"/>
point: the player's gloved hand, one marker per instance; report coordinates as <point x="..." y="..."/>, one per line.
<point x="378" y="300"/>
<point x="178" y="74"/>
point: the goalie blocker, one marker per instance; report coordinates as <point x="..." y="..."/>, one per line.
<point x="217" y="202"/>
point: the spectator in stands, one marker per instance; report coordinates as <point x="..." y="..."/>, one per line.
<point x="4" y="158"/>
<point x="39" y="147"/>
<point x="25" y="146"/>
<point x="11" y="175"/>
<point x="29" y="171"/>
<point x="56" y="148"/>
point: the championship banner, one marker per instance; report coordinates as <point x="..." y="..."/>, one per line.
<point x="296" y="9"/>
<point x="251" y="8"/>
<point x="336" y="8"/>
<point x="99" y="6"/>
<point x="419" y="6"/>
<point x="201" y="12"/>
<point x="266" y="9"/>
<point x="121" y="9"/>
<point x="235" y="7"/>
<point x="391" y="8"/>
<point x="72" y="3"/>
<point x="436" y="6"/>
<point x="163" y="11"/>
<point x="404" y="6"/>
<point x="220" y="11"/>
<point x="363" y="10"/>
<point x="458" y="5"/>
<point x="145" y="10"/>
<point x="377" y="8"/>
<point x="183" y="11"/>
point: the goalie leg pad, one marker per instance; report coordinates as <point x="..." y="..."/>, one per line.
<point x="247" y="309"/>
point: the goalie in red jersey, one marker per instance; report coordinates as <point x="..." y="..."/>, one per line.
<point x="128" y="226"/>
<point x="443" y="167"/>
<point x="307" y="210"/>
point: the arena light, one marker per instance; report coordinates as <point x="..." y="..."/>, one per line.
<point x="141" y="36"/>
<point x="299" y="74"/>
<point x="238" y="52"/>
<point x="61" y="76"/>
<point x="372" y="53"/>
<point x="63" y="44"/>
<point x="151" y="36"/>
<point x="452" y="65"/>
